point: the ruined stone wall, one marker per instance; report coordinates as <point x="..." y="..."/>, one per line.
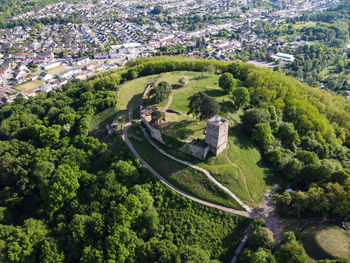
<point x="155" y="133"/>
<point x="199" y="151"/>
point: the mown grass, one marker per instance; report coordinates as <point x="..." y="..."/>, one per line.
<point x="176" y="123"/>
<point x="185" y="178"/>
<point x="326" y="242"/>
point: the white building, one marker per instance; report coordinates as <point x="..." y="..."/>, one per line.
<point x="45" y="88"/>
<point x="284" y="57"/>
<point x="82" y="61"/>
<point x="45" y="76"/>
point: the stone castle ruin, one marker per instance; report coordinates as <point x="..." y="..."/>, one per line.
<point x="217" y="134"/>
<point x="216" y="137"/>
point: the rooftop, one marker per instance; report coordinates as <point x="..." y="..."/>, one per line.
<point x="217" y="120"/>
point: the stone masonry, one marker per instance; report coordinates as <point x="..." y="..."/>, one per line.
<point x="217" y="134"/>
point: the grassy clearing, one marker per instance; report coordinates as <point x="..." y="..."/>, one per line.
<point x="196" y="84"/>
<point x="178" y="122"/>
<point x="326" y="242"/>
<point x="32" y="84"/>
<point x="56" y="70"/>
<point x="301" y="24"/>
<point x="187" y="179"/>
<point x="130" y="93"/>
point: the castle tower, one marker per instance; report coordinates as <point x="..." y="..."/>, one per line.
<point x="217" y="134"/>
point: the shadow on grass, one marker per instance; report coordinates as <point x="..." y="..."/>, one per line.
<point x="215" y="93"/>
<point x="135" y="100"/>
<point x="182" y="124"/>
<point x="201" y="77"/>
<point x="311" y="246"/>
<point x="176" y="86"/>
<point x="240" y="138"/>
<point x="227" y="107"/>
<point x="108" y="120"/>
<point x="149" y="101"/>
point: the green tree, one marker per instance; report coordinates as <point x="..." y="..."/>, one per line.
<point x="201" y="103"/>
<point x="160" y="92"/>
<point x="195" y="104"/>
<point x="227" y="82"/>
<point x="157" y="117"/>
<point x="209" y="108"/>
<point x="262" y="134"/>
<point x="291" y="252"/>
<point x="252" y="117"/>
<point x="61" y="187"/>
<point x="288" y="135"/>
<point x="261" y="237"/>
<point x="241" y="97"/>
<point x="49" y="252"/>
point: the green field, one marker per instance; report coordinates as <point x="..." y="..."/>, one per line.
<point x="326" y="242"/>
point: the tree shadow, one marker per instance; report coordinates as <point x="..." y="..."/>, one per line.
<point x="108" y="120"/>
<point x="240" y="138"/>
<point x="135" y="101"/>
<point x="182" y="124"/>
<point x="176" y="86"/>
<point x="201" y="77"/>
<point x="215" y="93"/>
<point x="149" y="101"/>
<point x="227" y="107"/>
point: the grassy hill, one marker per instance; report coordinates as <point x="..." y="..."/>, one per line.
<point x="239" y="167"/>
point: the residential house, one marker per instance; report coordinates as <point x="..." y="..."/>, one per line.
<point x="45" y="76"/>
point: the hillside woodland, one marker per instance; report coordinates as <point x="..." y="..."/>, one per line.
<point x="66" y="197"/>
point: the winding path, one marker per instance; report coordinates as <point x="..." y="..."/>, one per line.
<point x="267" y="212"/>
<point x="168" y="184"/>
<point x="242" y="244"/>
<point x="170" y="100"/>
<point x="206" y="172"/>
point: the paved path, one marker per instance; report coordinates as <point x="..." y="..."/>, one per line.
<point x="224" y="188"/>
<point x="170" y="100"/>
<point x="241" y="245"/>
<point x="155" y="173"/>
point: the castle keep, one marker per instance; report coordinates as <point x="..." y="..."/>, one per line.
<point x="215" y="139"/>
<point x="217" y="134"/>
